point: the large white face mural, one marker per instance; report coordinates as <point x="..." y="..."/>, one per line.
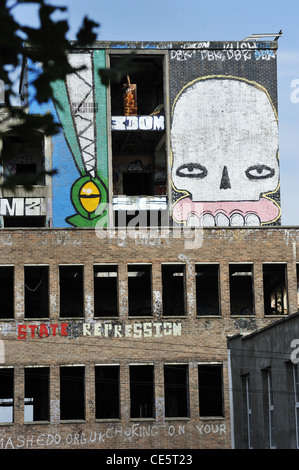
<point x="224" y="141"/>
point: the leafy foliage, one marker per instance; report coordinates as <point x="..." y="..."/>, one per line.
<point x="47" y="45"/>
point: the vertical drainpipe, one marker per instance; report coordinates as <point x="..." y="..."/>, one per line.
<point x="231" y="400"/>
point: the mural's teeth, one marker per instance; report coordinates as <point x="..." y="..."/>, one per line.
<point x="208" y="220"/>
<point x="193" y="221"/>
<point x="237" y="220"/>
<point x="252" y="220"/>
<point x="221" y="220"/>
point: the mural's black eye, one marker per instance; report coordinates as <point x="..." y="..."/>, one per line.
<point x="258" y="172"/>
<point x="192" y="170"/>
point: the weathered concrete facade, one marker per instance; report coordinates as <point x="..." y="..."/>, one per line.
<point x="86" y="341"/>
<point x="265" y="383"/>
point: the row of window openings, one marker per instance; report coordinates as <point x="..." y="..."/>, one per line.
<point x="140" y="302"/>
<point x="270" y="431"/>
<point x="107" y="392"/>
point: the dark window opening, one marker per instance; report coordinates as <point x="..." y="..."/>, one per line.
<point x="275" y="289"/>
<point x="138" y="130"/>
<point x="140" y="290"/>
<point x="27" y="221"/>
<point x="72" y="393"/>
<point x="173" y="289"/>
<point x="36" y="394"/>
<point x="36" y="291"/>
<point x="107" y="392"/>
<point x="138" y="184"/>
<point x="105" y="291"/>
<point x="6" y="395"/>
<point x="176" y="382"/>
<point x="210" y="390"/>
<point x="7" y="292"/>
<point x="207" y="289"/>
<point x="24" y="157"/>
<point x="142" y="391"/>
<point x="71" y="291"/>
<point x="241" y="289"/>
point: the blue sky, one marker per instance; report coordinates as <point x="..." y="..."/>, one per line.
<point x="197" y="20"/>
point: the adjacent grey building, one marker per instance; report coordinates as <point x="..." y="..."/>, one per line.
<point x="264" y="386"/>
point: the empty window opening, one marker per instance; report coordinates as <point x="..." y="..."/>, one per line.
<point x="173" y="289"/>
<point x="275" y="289"/>
<point x="72" y="393"/>
<point x="36" y="291"/>
<point x="241" y="289"/>
<point x="207" y="289"/>
<point x="107" y="392"/>
<point x="176" y="383"/>
<point x="7" y="292"/>
<point x="105" y="291"/>
<point x="140" y="290"/>
<point x="71" y="291"/>
<point x="210" y="390"/>
<point x="142" y="391"/>
<point x="6" y="395"/>
<point x="27" y="221"/>
<point x="138" y="129"/>
<point x="36" y="394"/>
<point x="24" y="157"/>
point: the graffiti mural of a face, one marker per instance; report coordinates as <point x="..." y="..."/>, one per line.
<point x="224" y="142"/>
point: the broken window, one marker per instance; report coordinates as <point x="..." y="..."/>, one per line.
<point x="210" y="390"/>
<point x="142" y="391"/>
<point x="36" y="291"/>
<point x="24" y="158"/>
<point x="176" y="383"/>
<point x="138" y="139"/>
<point x="72" y="399"/>
<point x="107" y="392"/>
<point x="275" y="289"/>
<point x="7" y="292"/>
<point x="241" y="289"/>
<point x="71" y="291"/>
<point x="36" y="394"/>
<point x="26" y="221"/>
<point x="173" y="289"/>
<point x="140" y="289"/>
<point x="6" y="395"/>
<point x="105" y="291"/>
<point x="207" y="289"/>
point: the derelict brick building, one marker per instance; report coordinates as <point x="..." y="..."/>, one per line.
<point x="116" y="315"/>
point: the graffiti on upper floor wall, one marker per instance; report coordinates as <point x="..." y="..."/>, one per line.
<point x="82" y="113"/>
<point x="224" y="144"/>
<point x="20" y="206"/>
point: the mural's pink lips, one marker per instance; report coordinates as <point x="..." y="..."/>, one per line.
<point x="265" y="209"/>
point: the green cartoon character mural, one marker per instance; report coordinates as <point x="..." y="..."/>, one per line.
<point x="84" y="121"/>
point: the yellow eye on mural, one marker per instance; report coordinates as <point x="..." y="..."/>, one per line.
<point x="90" y="196"/>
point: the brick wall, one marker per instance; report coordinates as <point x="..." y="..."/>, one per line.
<point x="202" y="339"/>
